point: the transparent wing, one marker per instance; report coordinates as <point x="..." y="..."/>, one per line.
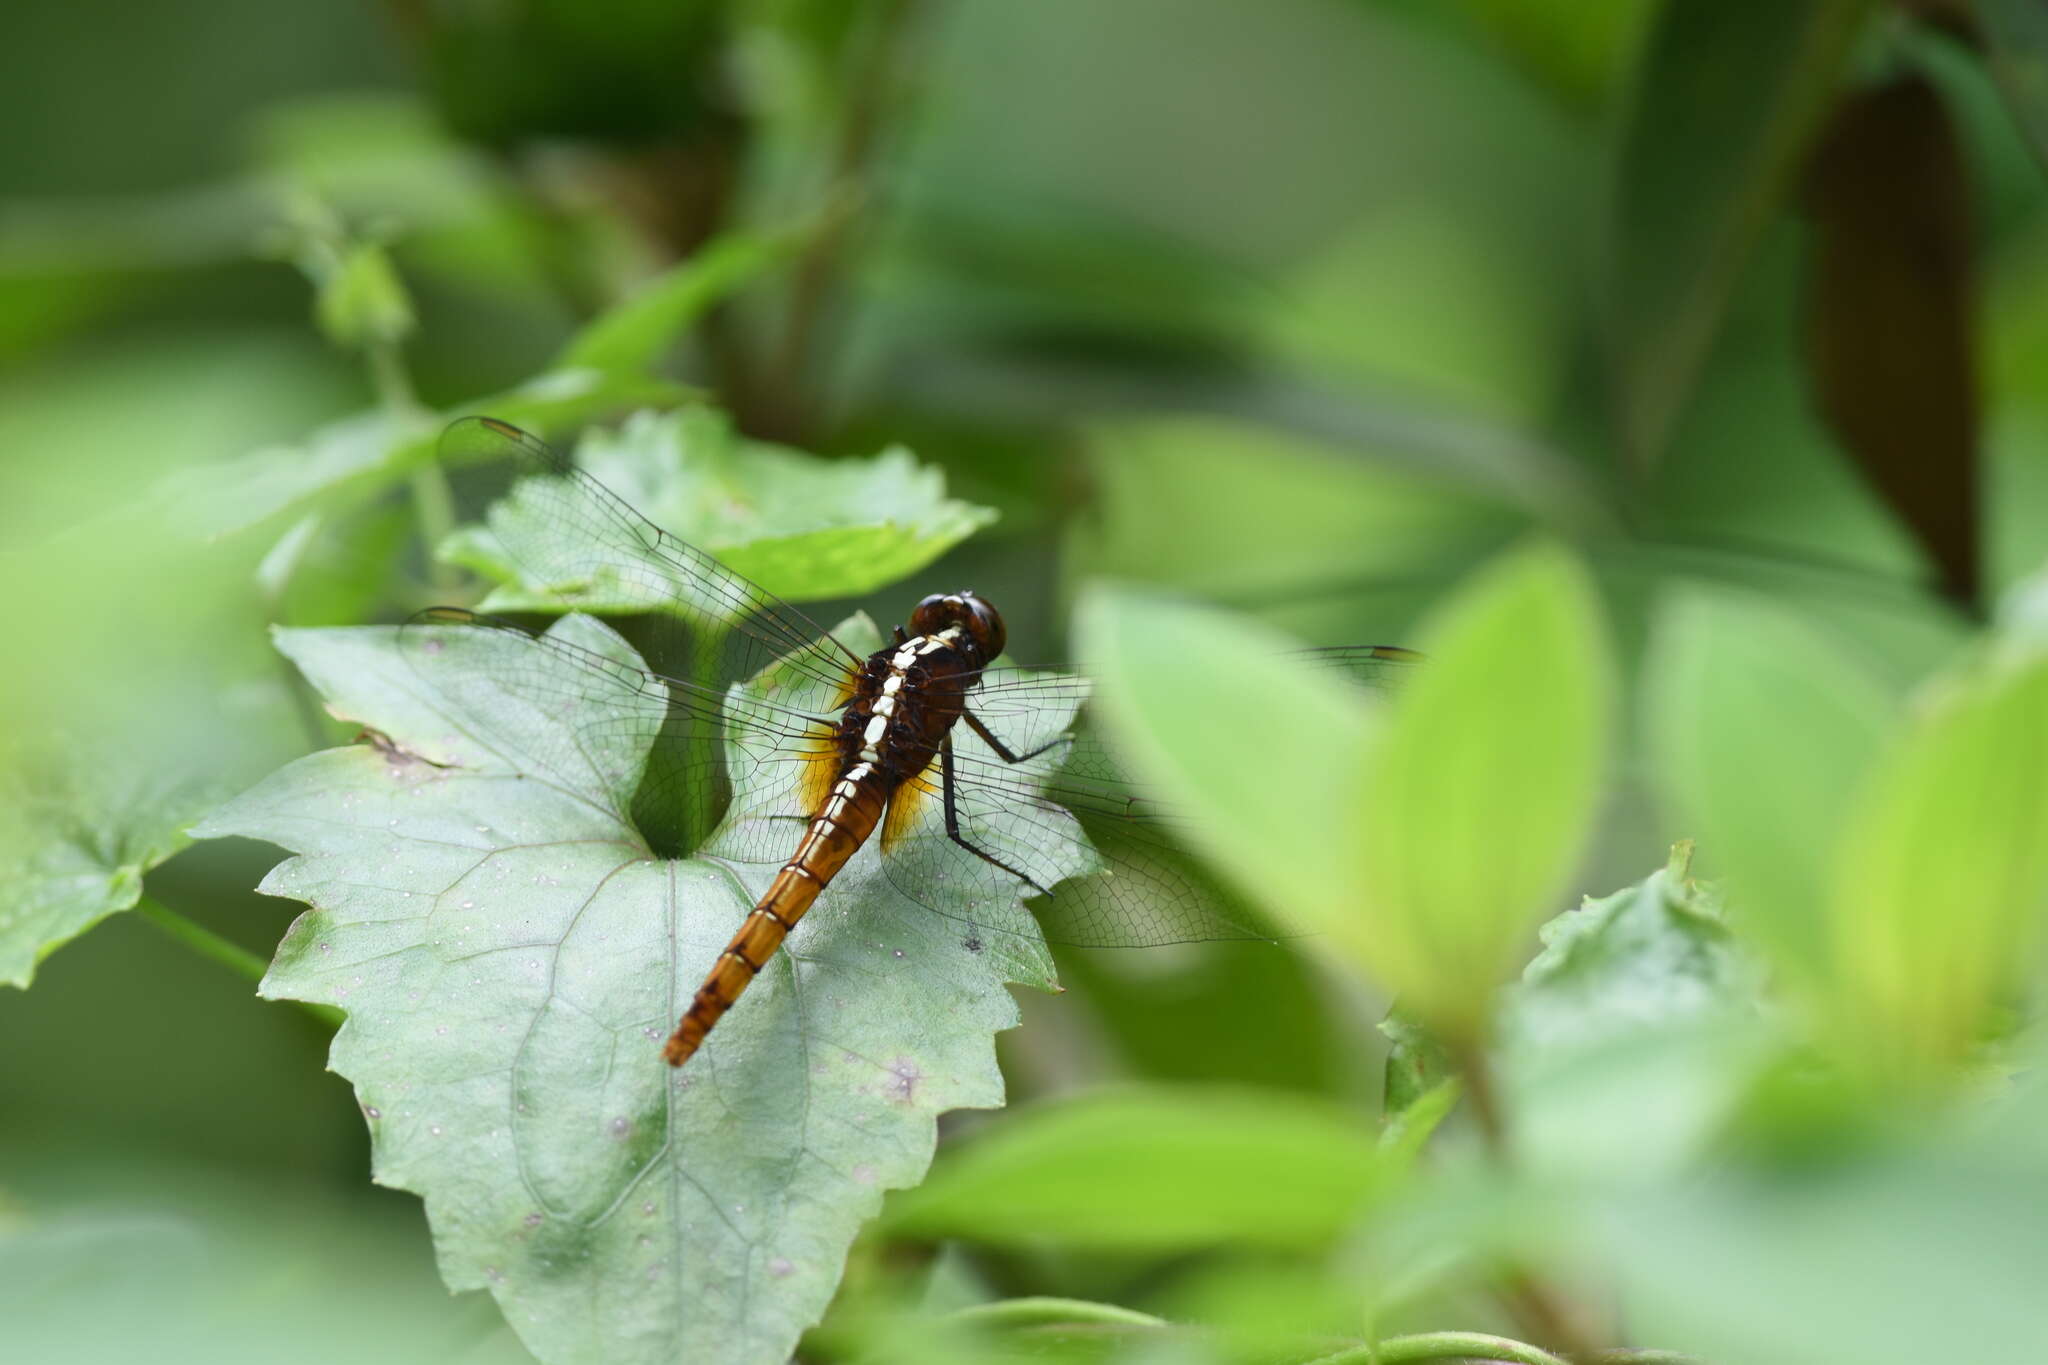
<point x="571" y="544"/>
<point x="1016" y="822"/>
<point x="670" y="754"/>
<point x="578" y="546"/>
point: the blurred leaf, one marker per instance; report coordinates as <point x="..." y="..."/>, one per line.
<point x="1579" y="50"/>
<point x="365" y="453"/>
<point x="1625" y="1044"/>
<point x="1941" y="878"/>
<point x="1889" y="315"/>
<point x="333" y="568"/>
<point x="1150" y="1170"/>
<point x="122" y="1279"/>
<point x="1726" y="98"/>
<point x="362" y="300"/>
<point x="1417" y="1065"/>
<point x="1889" y="1257"/>
<point x="511" y="956"/>
<point x="77" y="831"/>
<point x="1165" y="673"/>
<point x="1217" y="506"/>
<point x="1645" y="955"/>
<point x="2016" y="33"/>
<point x="634" y="334"/>
<point x="1423" y="298"/>
<point x="375" y="155"/>
<point x="1762" y="731"/>
<point x="802" y="527"/>
<point x="1162" y="1013"/>
<point x="1026" y="1331"/>
<point x="627" y="73"/>
<point x="1477" y="800"/>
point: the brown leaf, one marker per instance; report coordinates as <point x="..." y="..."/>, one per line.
<point x="1890" y="341"/>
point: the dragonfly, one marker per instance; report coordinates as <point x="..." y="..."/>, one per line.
<point x="867" y="745"/>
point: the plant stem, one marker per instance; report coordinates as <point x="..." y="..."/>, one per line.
<point x="817" y="273"/>
<point x="432" y="501"/>
<point x="214" y="948"/>
<point x="1046" y="1312"/>
<point x="1540" y="1308"/>
<point x="1443" y="1346"/>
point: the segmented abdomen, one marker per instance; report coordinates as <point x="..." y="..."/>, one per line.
<point x="835" y="834"/>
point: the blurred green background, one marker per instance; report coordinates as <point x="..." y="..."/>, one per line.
<point x="1304" y="308"/>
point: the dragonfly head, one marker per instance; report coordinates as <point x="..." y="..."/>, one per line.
<point x="977" y="620"/>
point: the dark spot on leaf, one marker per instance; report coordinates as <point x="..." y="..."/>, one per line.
<point x="971" y="943"/>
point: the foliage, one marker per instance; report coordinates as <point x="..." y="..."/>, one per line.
<point x="1666" y="372"/>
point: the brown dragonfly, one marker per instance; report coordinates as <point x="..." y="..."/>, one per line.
<point x="850" y="743"/>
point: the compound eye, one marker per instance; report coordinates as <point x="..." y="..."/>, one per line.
<point x="930" y="616"/>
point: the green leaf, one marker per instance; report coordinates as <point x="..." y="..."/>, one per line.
<point x="1762" y="730"/>
<point x="1478" y="798"/>
<point x="1726" y="99"/>
<point x="1886" y="1257"/>
<point x="78" y="828"/>
<point x="634" y="334"/>
<point x="1630" y="1039"/>
<point x="1222" y="507"/>
<point x="1940" y="878"/>
<point x="511" y="955"/>
<point x="362" y="300"/>
<point x="1417" y="1065"/>
<point x="368" y="452"/>
<point x="1150" y="1170"/>
<point x="802" y="527"/>
<point x="2016" y="33"/>
<point x="1170" y="679"/>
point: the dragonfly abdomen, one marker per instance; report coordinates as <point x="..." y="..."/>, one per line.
<point x="834" y="835"/>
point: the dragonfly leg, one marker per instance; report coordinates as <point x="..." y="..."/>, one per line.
<point x="953" y="818"/>
<point x="1003" y="751"/>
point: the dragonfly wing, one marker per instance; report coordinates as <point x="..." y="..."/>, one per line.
<point x="672" y="755"/>
<point x="573" y="544"/>
<point x="1066" y="826"/>
<point x="1148" y="889"/>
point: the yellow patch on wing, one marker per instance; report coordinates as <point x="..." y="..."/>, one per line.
<point x="904" y="809"/>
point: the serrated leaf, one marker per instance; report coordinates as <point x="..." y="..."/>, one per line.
<point x="632" y="335"/>
<point x="76" y="834"/>
<point x="1154" y="1169"/>
<point x="802" y="527"/>
<point x="511" y="955"/>
<point x="1726" y="98"/>
<point x="1626" y="1044"/>
<point x="1647" y="954"/>
<point x="1477" y="799"/>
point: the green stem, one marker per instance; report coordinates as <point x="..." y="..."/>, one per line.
<point x="1443" y="1346"/>
<point x="1050" y="1312"/>
<point x="707" y="658"/>
<point x="230" y="955"/>
<point x="432" y="501"/>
